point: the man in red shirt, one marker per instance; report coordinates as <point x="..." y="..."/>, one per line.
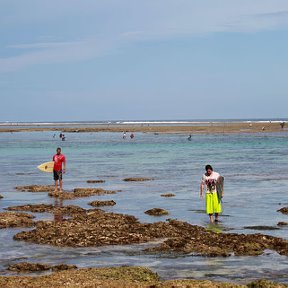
<point x="58" y="160"/>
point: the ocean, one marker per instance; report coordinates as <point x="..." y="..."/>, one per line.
<point x="254" y="167"/>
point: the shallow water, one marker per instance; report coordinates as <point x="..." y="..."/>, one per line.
<point x="255" y="188"/>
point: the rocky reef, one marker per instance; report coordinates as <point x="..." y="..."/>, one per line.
<point x="35" y="267"/>
<point x="35" y="188"/>
<point x="102" y="203"/>
<point x="79" y="193"/>
<point x="167" y="195"/>
<point x="95" y="227"/>
<point x="15" y="219"/>
<point x="118" y="277"/>
<point x="156" y="212"/>
<point x="283" y="210"/>
<point x="137" y="179"/>
<point x="95" y="181"/>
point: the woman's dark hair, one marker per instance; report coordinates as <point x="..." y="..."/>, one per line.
<point x="207" y="167"/>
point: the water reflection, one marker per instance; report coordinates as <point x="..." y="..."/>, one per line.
<point x="58" y="215"/>
<point x="215" y="227"/>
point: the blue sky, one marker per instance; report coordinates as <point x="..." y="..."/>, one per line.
<point x="154" y="59"/>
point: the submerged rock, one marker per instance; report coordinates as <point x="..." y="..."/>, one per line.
<point x="283" y="210"/>
<point x="102" y="203"/>
<point x="167" y="195"/>
<point x="80" y="192"/>
<point x="156" y="212"/>
<point x="95" y="181"/>
<point x="35" y="188"/>
<point x="97" y="228"/>
<point x="137" y="179"/>
<point x="35" y="267"/>
<point x="261" y="227"/>
<point x="15" y="219"/>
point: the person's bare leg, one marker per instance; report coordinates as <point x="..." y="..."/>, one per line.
<point x="56" y="186"/>
<point x="211" y="218"/>
<point x="216" y="217"/>
<point x="61" y="185"/>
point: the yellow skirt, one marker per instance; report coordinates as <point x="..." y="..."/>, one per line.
<point x="213" y="204"/>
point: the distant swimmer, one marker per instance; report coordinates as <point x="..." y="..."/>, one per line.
<point x="132" y="135"/>
<point x="59" y="159"/>
<point x="124" y="135"/>
<point x="189" y="138"/>
<point x="63" y="137"/>
<point x="214" y="192"/>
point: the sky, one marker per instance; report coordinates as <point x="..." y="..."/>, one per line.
<point x="94" y="60"/>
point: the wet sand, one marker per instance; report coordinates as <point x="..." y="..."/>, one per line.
<point x="201" y="128"/>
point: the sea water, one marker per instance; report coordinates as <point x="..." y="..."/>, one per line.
<point x="256" y="184"/>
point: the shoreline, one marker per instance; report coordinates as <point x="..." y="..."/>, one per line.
<point x="199" y="128"/>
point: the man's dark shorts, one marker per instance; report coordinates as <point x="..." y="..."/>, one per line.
<point x="57" y="175"/>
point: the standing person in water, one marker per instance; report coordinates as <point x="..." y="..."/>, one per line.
<point x="59" y="159"/>
<point x="213" y="201"/>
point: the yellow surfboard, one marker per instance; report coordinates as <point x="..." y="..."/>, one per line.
<point x="46" y="167"/>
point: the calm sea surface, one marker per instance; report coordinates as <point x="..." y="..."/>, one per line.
<point x="256" y="186"/>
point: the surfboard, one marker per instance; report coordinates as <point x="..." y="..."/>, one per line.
<point x="220" y="186"/>
<point x="46" y="167"/>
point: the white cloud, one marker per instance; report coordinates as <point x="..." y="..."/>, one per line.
<point x="48" y="53"/>
<point x="114" y="23"/>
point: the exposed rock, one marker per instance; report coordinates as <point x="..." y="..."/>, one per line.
<point x="80" y="192"/>
<point x="15" y="219"/>
<point x="194" y="239"/>
<point x="118" y="277"/>
<point x="95" y="181"/>
<point x="282" y="223"/>
<point x="113" y="277"/>
<point x="96" y="228"/>
<point x="36" y="208"/>
<point x="28" y="267"/>
<point x="137" y="179"/>
<point x="62" y="267"/>
<point x="283" y="210"/>
<point x="48" y="208"/>
<point x="36" y="188"/>
<point x="102" y="203"/>
<point x="156" y="212"/>
<point x="167" y="195"/>
<point x="1" y="197"/>
<point x="262" y="283"/>
<point x="34" y="267"/>
<point x="261" y="227"/>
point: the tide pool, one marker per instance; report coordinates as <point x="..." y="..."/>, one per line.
<point x="256" y="186"/>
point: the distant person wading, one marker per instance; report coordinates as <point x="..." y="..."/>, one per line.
<point x="212" y="180"/>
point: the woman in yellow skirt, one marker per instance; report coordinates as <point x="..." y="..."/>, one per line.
<point x="213" y="201"/>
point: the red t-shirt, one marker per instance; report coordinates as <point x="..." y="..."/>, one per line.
<point x="58" y="160"/>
